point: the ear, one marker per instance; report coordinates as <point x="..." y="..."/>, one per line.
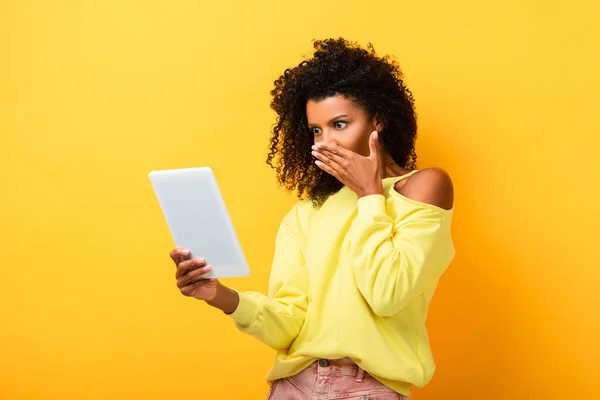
<point x="378" y="123"/>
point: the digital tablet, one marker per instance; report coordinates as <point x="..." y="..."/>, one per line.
<point x="198" y="220"/>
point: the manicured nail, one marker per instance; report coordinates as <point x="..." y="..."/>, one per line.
<point x="185" y="252"/>
<point x="207" y="268"/>
<point x="314" y="153"/>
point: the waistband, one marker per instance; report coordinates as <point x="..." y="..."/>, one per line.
<point x="341" y="366"/>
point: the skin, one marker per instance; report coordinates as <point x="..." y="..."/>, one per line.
<point x="347" y="147"/>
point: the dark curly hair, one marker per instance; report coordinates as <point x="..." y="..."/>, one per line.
<point x="338" y="67"/>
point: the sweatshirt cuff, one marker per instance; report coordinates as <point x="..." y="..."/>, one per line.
<point x="247" y="310"/>
<point x="371" y="206"/>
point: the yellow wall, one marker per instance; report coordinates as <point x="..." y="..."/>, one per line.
<point x="94" y="94"/>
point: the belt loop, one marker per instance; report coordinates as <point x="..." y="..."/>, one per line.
<point x="360" y="373"/>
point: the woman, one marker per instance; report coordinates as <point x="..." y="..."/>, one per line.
<point x="358" y="258"/>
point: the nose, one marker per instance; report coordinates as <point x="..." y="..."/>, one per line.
<point x="325" y="137"/>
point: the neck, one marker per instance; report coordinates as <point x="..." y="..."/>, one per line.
<point x="391" y="169"/>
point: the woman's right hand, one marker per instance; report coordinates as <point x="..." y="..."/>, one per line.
<point x="190" y="274"/>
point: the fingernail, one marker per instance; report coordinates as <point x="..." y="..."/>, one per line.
<point x="207" y="268"/>
<point x="314" y="153"/>
<point x="314" y="147"/>
<point x="185" y="251"/>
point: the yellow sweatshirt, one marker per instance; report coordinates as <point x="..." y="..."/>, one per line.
<point x="353" y="278"/>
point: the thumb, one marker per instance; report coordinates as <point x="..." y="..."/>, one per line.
<point x="374" y="145"/>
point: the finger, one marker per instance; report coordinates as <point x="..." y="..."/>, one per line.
<point x="374" y="144"/>
<point x="190" y="290"/>
<point x="329" y="158"/>
<point x="189" y="265"/>
<point x="332" y="148"/>
<point x="323" y="153"/>
<point x="193" y="276"/>
<point x="327" y="168"/>
<point x="178" y="255"/>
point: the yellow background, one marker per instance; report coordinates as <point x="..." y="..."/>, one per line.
<point x="95" y="94"/>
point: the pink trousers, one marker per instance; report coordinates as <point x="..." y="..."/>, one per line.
<point x="332" y="380"/>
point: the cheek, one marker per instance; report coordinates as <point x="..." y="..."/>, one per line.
<point x="358" y="141"/>
<point x="352" y="146"/>
<point x="359" y="145"/>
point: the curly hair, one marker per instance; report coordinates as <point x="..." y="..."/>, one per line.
<point x="338" y="67"/>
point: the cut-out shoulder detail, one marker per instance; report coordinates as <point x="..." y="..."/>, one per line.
<point x="431" y="186"/>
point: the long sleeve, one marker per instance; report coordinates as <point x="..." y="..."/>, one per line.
<point x="393" y="262"/>
<point x="276" y="319"/>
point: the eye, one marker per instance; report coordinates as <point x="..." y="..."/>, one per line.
<point x="316" y="131"/>
<point x="340" y="124"/>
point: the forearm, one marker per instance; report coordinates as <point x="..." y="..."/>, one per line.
<point x="283" y="319"/>
<point x="226" y="299"/>
<point x="394" y="261"/>
<point x="385" y="280"/>
<point x="275" y="320"/>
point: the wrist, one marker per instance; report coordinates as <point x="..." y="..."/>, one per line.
<point x="370" y="191"/>
<point x="225" y="299"/>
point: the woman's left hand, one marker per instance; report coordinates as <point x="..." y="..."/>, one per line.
<point x="361" y="174"/>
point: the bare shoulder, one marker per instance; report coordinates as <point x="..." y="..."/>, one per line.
<point x="431" y="185"/>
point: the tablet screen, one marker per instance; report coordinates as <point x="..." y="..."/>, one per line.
<point x="198" y="220"/>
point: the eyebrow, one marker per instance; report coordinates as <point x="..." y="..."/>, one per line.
<point x="332" y="119"/>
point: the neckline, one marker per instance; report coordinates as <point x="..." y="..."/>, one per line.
<point x="395" y="179"/>
<point x="400" y="177"/>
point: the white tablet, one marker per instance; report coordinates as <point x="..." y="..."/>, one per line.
<point x="198" y="220"/>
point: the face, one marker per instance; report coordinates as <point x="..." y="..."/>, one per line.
<point x="338" y="119"/>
